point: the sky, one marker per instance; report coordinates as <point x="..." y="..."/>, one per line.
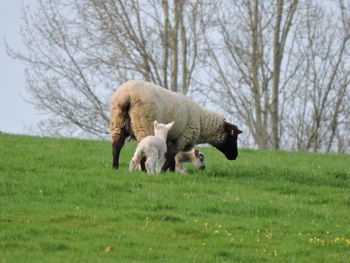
<point x="16" y="115"/>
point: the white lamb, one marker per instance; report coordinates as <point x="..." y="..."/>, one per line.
<point x="153" y="148"/>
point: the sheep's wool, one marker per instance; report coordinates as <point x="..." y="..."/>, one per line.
<point x="145" y="102"/>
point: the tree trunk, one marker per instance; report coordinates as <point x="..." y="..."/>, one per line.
<point x="259" y="128"/>
<point x="183" y="49"/>
<point x="165" y="41"/>
<point x="175" y="38"/>
<point x="276" y="76"/>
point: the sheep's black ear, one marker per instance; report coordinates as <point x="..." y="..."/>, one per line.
<point x="236" y="132"/>
<point x="232" y="129"/>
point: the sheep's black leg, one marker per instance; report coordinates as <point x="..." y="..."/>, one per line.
<point x="117" y="145"/>
<point x="169" y="162"/>
<point x="142" y="163"/>
<point x="172" y="164"/>
<point x="165" y="166"/>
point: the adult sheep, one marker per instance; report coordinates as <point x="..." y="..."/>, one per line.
<point x="136" y="104"/>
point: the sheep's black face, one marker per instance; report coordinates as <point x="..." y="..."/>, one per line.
<point x="229" y="146"/>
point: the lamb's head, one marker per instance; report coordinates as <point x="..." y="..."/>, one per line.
<point x="161" y="130"/>
<point x="229" y="144"/>
<point x="198" y="159"/>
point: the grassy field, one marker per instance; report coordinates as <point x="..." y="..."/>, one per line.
<point x="62" y="202"/>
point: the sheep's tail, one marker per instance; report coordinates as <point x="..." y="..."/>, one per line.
<point x="119" y="114"/>
<point x="119" y="124"/>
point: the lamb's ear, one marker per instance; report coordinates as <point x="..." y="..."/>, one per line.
<point x="155" y="124"/>
<point x="169" y="125"/>
<point x="196" y="153"/>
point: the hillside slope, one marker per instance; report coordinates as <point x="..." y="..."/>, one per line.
<point x="62" y="202"/>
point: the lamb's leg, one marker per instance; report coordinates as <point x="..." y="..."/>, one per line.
<point x="150" y="166"/>
<point x="160" y="161"/>
<point x="117" y="145"/>
<point x="135" y="160"/>
<point x="179" y="168"/>
<point x="133" y="166"/>
<point x="159" y="167"/>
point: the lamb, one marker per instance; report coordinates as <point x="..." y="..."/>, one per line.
<point x="135" y="104"/>
<point x="194" y="156"/>
<point x="153" y="148"/>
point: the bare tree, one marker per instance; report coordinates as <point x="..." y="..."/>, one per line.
<point x="249" y="63"/>
<point x="324" y="77"/>
<point x="78" y="52"/>
<point x="281" y="68"/>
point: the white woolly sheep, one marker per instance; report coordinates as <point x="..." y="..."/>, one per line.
<point x="194" y="156"/>
<point x="135" y="104"/>
<point x="153" y="148"/>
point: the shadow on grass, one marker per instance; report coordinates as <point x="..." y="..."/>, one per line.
<point x="239" y="172"/>
<point x="338" y="178"/>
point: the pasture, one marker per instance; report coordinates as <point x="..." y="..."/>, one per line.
<point x="62" y="202"/>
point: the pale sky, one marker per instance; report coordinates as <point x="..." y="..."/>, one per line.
<point x="16" y="115"/>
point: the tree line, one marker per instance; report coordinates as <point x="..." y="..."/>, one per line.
<point x="277" y="68"/>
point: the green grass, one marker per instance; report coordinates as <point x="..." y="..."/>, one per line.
<point x="62" y="202"/>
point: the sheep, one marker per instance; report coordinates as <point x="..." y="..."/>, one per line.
<point x="153" y="148"/>
<point x="194" y="156"/>
<point x="136" y="103"/>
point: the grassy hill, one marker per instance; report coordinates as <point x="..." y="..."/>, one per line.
<point x="62" y="202"/>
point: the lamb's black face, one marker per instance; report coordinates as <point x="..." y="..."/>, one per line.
<point x="229" y="146"/>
